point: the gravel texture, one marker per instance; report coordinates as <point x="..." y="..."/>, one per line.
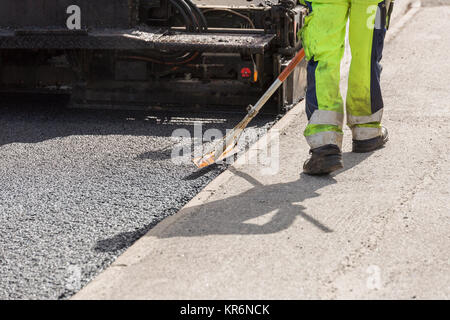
<point x="79" y="187"/>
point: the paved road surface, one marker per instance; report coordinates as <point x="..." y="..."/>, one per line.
<point x="79" y="187"/>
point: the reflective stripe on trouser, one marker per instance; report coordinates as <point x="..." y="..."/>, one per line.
<point x="324" y="41"/>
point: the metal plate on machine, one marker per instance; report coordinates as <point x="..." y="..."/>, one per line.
<point x="147" y="38"/>
<point x="213" y="42"/>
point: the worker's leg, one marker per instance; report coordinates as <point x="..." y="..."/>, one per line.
<point x="324" y="42"/>
<point x="364" y="100"/>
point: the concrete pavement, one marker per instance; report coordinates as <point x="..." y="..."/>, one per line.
<point x="377" y="229"/>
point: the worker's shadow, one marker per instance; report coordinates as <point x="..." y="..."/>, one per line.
<point x="263" y="209"/>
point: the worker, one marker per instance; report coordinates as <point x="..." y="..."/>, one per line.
<point x="324" y="41"/>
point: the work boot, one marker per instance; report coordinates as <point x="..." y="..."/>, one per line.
<point x="363" y="146"/>
<point x="324" y="160"/>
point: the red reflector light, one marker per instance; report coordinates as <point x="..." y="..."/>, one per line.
<point x="246" y="72"/>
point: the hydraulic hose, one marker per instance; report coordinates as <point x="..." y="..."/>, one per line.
<point x="187" y="14"/>
<point x="199" y="13"/>
<point x="194" y="20"/>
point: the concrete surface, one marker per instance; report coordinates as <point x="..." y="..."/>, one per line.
<point x="78" y="187"/>
<point x="377" y="229"/>
<point x="434" y="3"/>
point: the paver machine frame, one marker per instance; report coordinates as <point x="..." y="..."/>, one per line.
<point x="152" y="53"/>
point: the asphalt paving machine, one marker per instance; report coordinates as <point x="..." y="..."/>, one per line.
<point x="152" y="53"/>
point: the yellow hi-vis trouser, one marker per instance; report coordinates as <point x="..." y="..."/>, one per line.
<point x="324" y="42"/>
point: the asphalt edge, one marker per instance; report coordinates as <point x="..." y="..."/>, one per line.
<point x="132" y="254"/>
<point x="225" y="176"/>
